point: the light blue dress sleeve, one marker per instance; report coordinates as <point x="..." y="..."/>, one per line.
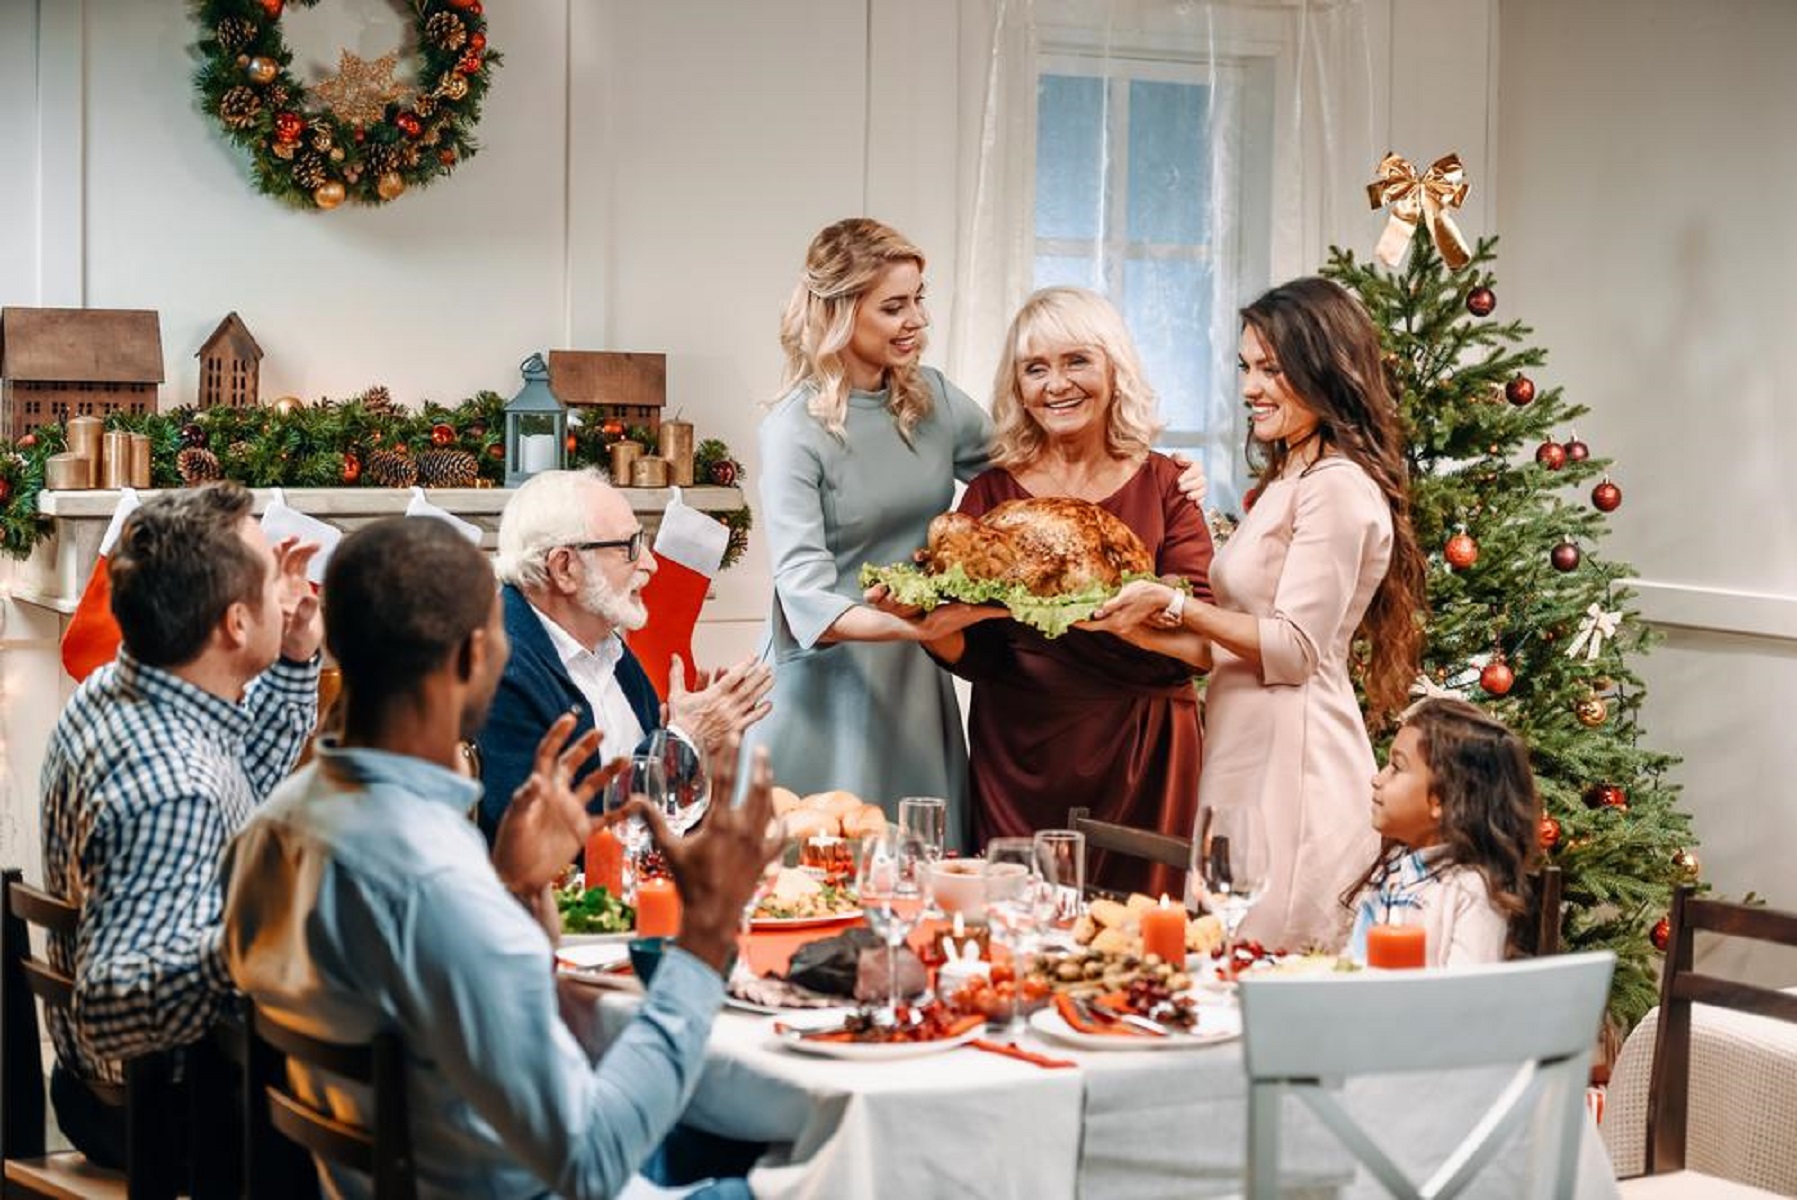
<point x="792" y="513"/>
<point x="483" y="1008"/>
<point x="972" y="429"/>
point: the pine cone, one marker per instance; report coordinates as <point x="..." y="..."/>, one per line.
<point x="386" y="468"/>
<point x="197" y="465"/>
<point x="322" y="138"/>
<point x="452" y="87"/>
<point x="425" y="106"/>
<point x="309" y="171"/>
<point x="378" y="158"/>
<point x="448" y="469"/>
<point x="277" y="95"/>
<point x="446" y="30"/>
<point x="378" y="399"/>
<point x="238" y="107"/>
<point x="239" y="449"/>
<point x="234" y="33"/>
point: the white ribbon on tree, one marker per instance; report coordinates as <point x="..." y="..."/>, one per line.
<point x="1428" y="689"/>
<point x="1597" y="626"/>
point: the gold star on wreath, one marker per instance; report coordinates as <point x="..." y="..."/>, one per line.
<point x="360" y="90"/>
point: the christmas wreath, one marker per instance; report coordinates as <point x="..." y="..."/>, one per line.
<point x="361" y="134"/>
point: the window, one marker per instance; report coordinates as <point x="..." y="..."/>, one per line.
<point x="1152" y="185"/>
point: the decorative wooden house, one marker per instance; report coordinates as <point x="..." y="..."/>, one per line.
<point x="230" y="361"/>
<point x="57" y="363"/>
<point x="611" y="385"/>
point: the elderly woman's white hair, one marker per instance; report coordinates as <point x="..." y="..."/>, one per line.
<point x="553" y="508"/>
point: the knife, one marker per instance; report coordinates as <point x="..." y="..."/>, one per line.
<point x="1139" y="1024"/>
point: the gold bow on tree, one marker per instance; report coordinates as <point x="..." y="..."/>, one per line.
<point x="1412" y="197"/>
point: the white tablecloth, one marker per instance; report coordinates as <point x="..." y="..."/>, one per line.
<point x="1126" y="1124"/>
<point x="1743" y="1087"/>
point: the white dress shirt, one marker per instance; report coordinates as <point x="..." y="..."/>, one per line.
<point x="594" y="672"/>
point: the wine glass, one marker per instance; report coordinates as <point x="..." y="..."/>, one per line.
<point x="1230" y="864"/>
<point x="1061" y="861"/>
<point x="1016" y="904"/>
<point x="893" y="883"/>
<point x="686" y="792"/>
<point x="643" y="777"/>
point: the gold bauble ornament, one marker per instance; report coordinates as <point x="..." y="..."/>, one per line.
<point x="261" y="70"/>
<point x="328" y="195"/>
<point x="337" y="154"/>
<point x="286" y="406"/>
<point x="1687" y="864"/>
<point x="1591" y="711"/>
<point x="390" y="186"/>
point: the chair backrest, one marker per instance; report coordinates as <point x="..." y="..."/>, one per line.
<point x="382" y="1150"/>
<point x="1107" y="837"/>
<point x="152" y="1156"/>
<point x="1302" y="1030"/>
<point x="1681" y="986"/>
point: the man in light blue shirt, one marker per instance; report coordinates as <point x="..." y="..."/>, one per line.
<point x="362" y="899"/>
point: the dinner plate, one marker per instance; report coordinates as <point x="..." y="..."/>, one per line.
<point x="1216" y="1023"/>
<point x="596" y="955"/>
<point x="786" y="1030"/>
<point x="841" y="918"/>
<point x="598" y="939"/>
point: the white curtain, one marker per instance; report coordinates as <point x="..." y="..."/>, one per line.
<point x="1179" y="155"/>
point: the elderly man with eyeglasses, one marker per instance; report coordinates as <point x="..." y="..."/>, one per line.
<point x="574" y="561"/>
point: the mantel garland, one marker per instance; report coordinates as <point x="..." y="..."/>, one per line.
<point x="359" y="135"/>
<point x="365" y="441"/>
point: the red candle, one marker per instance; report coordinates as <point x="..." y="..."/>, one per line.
<point x="657" y="908"/>
<point x="1164" y="932"/>
<point x="605" y="861"/>
<point x="1396" y="947"/>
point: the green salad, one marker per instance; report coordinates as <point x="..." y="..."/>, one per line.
<point x="595" y="911"/>
<point x="1052" y="615"/>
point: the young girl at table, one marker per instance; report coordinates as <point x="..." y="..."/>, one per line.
<point x="1456" y="806"/>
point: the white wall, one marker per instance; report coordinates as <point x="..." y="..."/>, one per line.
<point x="1646" y="154"/>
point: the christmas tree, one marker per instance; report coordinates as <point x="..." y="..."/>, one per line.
<point x="1526" y="616"/>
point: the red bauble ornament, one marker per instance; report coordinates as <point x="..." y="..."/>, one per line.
<point x="409" y="124"/>
<point x="723" y="473"/>
<point x="571" y="443"/>
<point x="28" y="441"/>
<point x="1661" y="935"/>
<point x="360" y="134"/>
<point x="611" y="429"/>
<point x="470" y="64"/>
<point x="1606" y="795"/>
<point x="475" y="8"/>
<point x="1461" y="551"/>
<point x="496" y="450"/>
<point x="442" y="434"/>
<point x="1480" y="301"/>
<point x="1551" y="455"/>
<point x="1577" y="451"/>
<point x="1565" y="557"/>
<point x="351" y="469"/>
<point x="272" y="9"/>
<point x="446" y="156"/>
<point x="477" y="429"/>
<point x="477" y="42"/>
<point x="193" y="436"/>
<point x="288" y="127"/>
<point x="1606" y="496"/>
<point x="1497" y="678"/>
<point x="461" y="3"/>
<point x="1520" y="391"/>
<point x="5" y="490"/>
<point x="1548" y="833"/>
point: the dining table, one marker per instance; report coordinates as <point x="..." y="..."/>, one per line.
<point x="1120" y="1123"/>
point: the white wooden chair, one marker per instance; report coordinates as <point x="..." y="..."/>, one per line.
<point x="1303" y="1034"/>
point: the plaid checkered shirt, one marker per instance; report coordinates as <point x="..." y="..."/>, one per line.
<point x="146" y="778"/>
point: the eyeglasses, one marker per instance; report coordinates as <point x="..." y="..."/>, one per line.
<point x="632" y="546"/>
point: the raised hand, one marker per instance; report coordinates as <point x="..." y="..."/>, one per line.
<point x="726" y="704"/>
<point x="547" y="822"/>
<point x="1191" y="479"/>
<point x="302" y="629"/>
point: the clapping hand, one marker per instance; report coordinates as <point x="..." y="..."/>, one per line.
<point x="723" y="703"/>
<point x="302" y="630"/>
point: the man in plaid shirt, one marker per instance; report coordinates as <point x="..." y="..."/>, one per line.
<point x="158" y="759"/>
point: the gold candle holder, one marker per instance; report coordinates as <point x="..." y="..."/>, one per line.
<point x="676" y="444"/>
<point x="649" y="472"/>
<point x="623" y="454"/>
<point x="140" y="460"/>
<point x="68" y="473"/>
<point x="115" y="460"/>
<point x="84" y="440"/>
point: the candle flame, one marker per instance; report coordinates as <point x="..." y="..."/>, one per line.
<point x="1164" y="903"/>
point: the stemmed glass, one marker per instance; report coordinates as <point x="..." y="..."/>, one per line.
<point x="1230" y="863"/>
<point x="893" y="882"/>
<point x="643" y="777"/>
<point x="685" y="795"/>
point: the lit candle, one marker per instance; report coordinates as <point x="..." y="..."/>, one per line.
<point x="1164" y="932"/>
<point x="657" y="908"/>
<point x="536" y="452"/>
<point x="1396" y="947"/>
<point x="605" y="861"/>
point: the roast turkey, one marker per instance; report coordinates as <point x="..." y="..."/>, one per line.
<point x="1051" y="545"/>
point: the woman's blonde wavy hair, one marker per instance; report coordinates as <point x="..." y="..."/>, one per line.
<point x="842" y="264"/>
<point x="1071" y="316"/>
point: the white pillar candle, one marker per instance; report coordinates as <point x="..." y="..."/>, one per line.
<point x="536" y="452"/>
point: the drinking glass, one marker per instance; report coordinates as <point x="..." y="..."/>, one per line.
<point x="1230" y="862"/>
<point x="1061" y="861"/>
<point x="1016" y="904"/>
<point x="643" y="777"/>
<point x="927" y="817"/>
<point x="893" y="882"/>
<point x="685" y="795"/>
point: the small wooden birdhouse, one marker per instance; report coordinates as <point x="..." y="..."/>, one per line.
<point x="611" y="385"/>
<point x="57" y="363"/>
<point x="229" y="363"/>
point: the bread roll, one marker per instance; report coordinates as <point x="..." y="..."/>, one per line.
<point x="839" y="803"/>
<point x="785" y="800"/>
<point x="1108" y="913"/>
<point x="802" y="823"/>
<point x="865" y="821"/>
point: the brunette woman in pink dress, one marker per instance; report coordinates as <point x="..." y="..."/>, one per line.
<point x="1324" y="556"/>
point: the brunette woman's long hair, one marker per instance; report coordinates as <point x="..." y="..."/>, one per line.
<point x="1490" y="811"/>
<point x="1328" y="349"/>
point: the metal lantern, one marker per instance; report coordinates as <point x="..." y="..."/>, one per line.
<point x="536" y="426"/>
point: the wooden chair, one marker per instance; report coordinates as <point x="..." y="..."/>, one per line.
<point x="1548" y="915"/>
<point x="382" y="1151"/>
<point x="1681" y="986"/>
<point x="153" y="1159"/>
<point x="1104" y="836"/>
<point x="1301" y="1032"/>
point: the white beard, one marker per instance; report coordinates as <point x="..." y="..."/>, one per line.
<point x="622" y="610"/>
